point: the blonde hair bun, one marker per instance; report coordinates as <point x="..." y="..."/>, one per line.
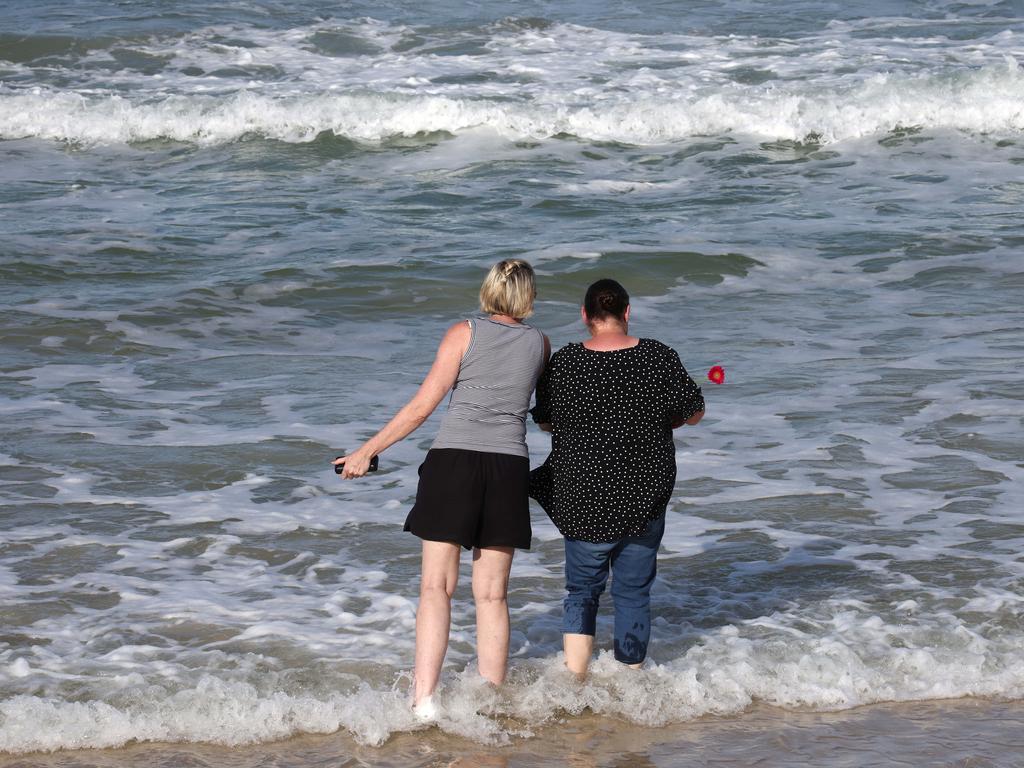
<point x="509" y="289"/>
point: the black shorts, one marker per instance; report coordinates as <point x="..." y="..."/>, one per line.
<point x="472" y="498"/>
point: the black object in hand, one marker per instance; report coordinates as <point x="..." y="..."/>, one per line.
<point x="338" y="468"/>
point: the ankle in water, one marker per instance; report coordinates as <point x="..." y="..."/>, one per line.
<point x="426" y="710"/>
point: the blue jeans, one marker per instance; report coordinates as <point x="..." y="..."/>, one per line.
<point x="633" y="563"/>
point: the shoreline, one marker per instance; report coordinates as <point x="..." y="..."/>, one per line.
<point x="979" y="733"/>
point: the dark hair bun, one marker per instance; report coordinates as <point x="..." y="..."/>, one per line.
<point x="606" y="298"/>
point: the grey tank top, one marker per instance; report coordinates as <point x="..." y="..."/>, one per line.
<point x="497" y="376"/>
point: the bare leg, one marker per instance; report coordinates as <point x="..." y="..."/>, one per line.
<point x="578" y="650"/>
<point x="440" y="574"/>
<point x="491" y="567"/>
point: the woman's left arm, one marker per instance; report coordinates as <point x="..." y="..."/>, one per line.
<point x="541" y="411"/>
<point x="686" y="402"/>
<point x="435" y="386"/>
<point x="693" y="420"/>
<point x="545" y="426"/>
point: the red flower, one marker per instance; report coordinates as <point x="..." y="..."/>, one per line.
<point x="717" y="374"/>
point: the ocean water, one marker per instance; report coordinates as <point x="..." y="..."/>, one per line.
<point x="231" y="235"/>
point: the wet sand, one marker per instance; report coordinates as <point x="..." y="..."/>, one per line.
<point x="966" y="733"/>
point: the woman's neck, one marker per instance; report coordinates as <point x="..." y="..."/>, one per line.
<point x="607" y="337"/>
<point x="506" y="319"/>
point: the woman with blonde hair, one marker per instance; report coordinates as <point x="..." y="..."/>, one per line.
<point x="474" y="481"/>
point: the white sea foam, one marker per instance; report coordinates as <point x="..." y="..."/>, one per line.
<point x="215" y="711"/>
<point x="982" y="102"/>
<point x="846" y="522"/>
<point x="859" y="659"/>
<point x="641" y="90"/>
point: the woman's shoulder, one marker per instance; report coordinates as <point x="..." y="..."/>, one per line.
<point x="568" y="351"/>
<point x="562" y="359"/>
<point x="659" y="352"/>
<point x="657" y="347"/>
<point x="458" y="335"/>
<point x="461" y="328"/>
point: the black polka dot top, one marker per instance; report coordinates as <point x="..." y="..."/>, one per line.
<point x="612" y="466"/>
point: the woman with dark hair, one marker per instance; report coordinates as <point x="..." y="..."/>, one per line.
<point x="610" y="403"/>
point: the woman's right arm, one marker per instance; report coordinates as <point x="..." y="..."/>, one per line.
<point x="541" y="411"/>
<point x="542" y="389"/>
<point x="435" y="386"/>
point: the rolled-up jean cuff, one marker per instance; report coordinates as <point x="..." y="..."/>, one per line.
<point x="579" y="617"/>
